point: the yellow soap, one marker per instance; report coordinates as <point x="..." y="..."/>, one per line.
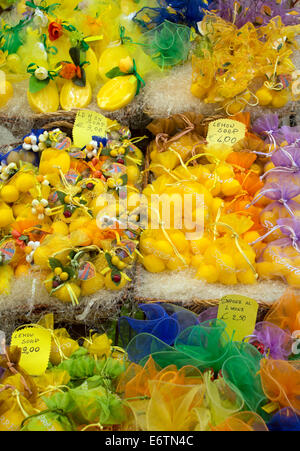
<point x="117" y="93"/>
<point x="73" y="96"/>
<point x="44" y="101"/>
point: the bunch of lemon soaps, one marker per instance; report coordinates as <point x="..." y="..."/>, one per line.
<point x="63" y="57"/>
<point x="62" y="214"/>
<point x="217" y="207"/>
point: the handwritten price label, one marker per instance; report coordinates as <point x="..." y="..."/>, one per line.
<point x="239" y="313"/>
<point x="225" y="131"/>
<point x="87" y="124"/>
<point x="35" y="343"/>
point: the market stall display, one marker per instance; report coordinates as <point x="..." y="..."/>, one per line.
<point x="66" y="237"/>
<point x="149" y="215"/>
<point x="176" y="381"/>
<point x="250" y="190"/>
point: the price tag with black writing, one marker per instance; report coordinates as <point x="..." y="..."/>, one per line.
<point x="35" y="344"/>
<point x="87" y="124"/>
<point x="239" y="313"/>
<point x="226" y="131"/>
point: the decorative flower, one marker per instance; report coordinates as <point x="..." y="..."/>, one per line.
<point x="68" y="71"/>
<point x="91" y="149"/>
<point x="42" y="179"/>
<point x="30" y="250"/>
<point x="7" y="171"/>
<point x="55" y="31"/>
<point x="34" y="142"/>
<point x="40" y="19"/>
<point x="39" y="208"/>
<point x="41" y="73"/>
<point x="74" y="71"/>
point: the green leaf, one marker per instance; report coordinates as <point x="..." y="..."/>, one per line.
<point x="36" y="85"/>
<point x="108" y="259"/>
<point x="80" y="81"/>
<point x="105" y="152"/>
<point x="115" y="72"/>
<point x="72" y="254"/>
<point x="70" y="271"/>
<point x="75" y="55"/>
<point x="54" y="263"/>
<point x="23" y="238"/>
<point x="124" y="177"/>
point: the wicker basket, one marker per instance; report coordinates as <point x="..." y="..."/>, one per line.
<point x="19" y="125"/>
<point x="193" y="303"/>
<point x="84" y="313"/>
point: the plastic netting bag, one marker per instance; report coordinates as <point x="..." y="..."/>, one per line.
<point x="269" y="128"/>
<point x="242" y="422"/>
<point x="208" y="314"/>
<point x="208" y="343"/>
<point x="286" y="420"/>
<point x="221" y="399"/>
<point x="162" y="399"/>
<point x="281" y="257"/>
<point x="285" y="313"/>
<point x="178" y="11"/>
<point x="273" y="341"/>
<point x="180" y="132"/>
<point x="283" y="194"/>
<point x="281" y="382"/>
<point x="241" y="374"/>
<point x="286" y="161"/>
<point x="164" y="321"/>
<point x="168" y="44"/>
<point x="172" y="406"/>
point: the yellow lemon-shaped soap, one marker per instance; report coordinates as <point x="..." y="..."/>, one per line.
<point x="73" y="96"/>
<point x="154" y="264"/>
<point x="198" y="90"/>
<point x="6" y="92"/>
<point x="247" y="277"/>
<point x="41" y="257"/>
<point x="60" y="228"/>
<point x="64" y="344"/>
<point x="6" y="216"/>
<point x="63" y="293"/>
<point x="117" y="93"/>
<point x="52" y="160"/>
<point x="44" y="101"/>
<point x="89" y="287"/>
<point x="25" y="182"/>
<point x="208" y="273"/>
<point x="264" y="96"/>
<point x="280" y="98"/>
<point x="21" y="270"/>
<point x="133" y="174"/>
<point x="14" y="63"/>
<point x="110" y="58"/>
